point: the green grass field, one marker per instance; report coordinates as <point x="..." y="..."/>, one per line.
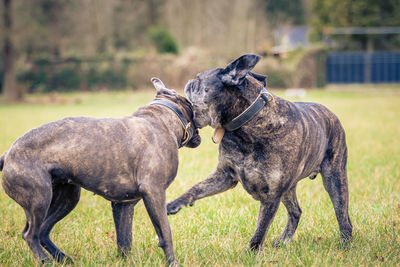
<point x="217" y="230"/>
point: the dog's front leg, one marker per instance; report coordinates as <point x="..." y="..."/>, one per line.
<point x="266" y="214"/>
<point x="123" y="214"/>
<point x="219" y="181"/>
<point x="154" y="201"/>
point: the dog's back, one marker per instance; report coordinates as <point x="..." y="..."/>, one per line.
<point x="322" y="115"/>
<point x="93" y="151"/>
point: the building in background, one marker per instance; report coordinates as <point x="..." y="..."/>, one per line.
<point x="289" y="38"/>
<point x="375" y="64"/>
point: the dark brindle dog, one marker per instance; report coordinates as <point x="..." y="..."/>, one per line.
<point x="122" y="159"/>
<point x="269" y="148"/>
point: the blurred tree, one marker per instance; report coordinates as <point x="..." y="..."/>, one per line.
<point x="50" y="35"/>
<point x="52" y="16"/>
<point x="163" y="40"/>
<point x="10" y="89"/>
<point x="284" y="11"/>
<point x="130" y="21"/>
<point x="43" y="26"/>
<point x="361" y="13"/>
<point x="350" y="13"/>
<point x="227" y="27"/>
<point x="153" y="9"/>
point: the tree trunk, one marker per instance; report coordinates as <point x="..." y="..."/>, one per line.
<point x="152" y="12"/>
<point x="10" y="90"/>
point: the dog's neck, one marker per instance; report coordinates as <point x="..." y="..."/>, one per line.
<point x="270" y="118"/>
<point x="240" y="99"/>
<point x="251" y="89"/>
<point x="166" y="118"/>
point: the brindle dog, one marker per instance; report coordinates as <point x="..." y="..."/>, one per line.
<point x="121" y="159"/>
<point x="282" y="144"/>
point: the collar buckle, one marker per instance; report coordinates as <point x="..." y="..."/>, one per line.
<point x="186" y="133"/>
<point x="187" y="126"/>
<point x="264" y="93"/>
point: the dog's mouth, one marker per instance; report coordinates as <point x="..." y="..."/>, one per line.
<point x="195" y="140"/>
<point x="193" y="108"/>
<point x="197" y="119"/>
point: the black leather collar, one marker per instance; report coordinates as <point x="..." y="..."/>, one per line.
<point x="262" y="99"/>
<point x="188" y="127"/>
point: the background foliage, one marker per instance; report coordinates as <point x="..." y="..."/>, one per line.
<point x="365" y="13"/>
<point x="116" y="44"/>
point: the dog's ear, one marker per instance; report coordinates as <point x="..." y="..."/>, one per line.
<point x="236" y="71"/>
<point x="261" y="78"/>
<point x="160" y="87"/>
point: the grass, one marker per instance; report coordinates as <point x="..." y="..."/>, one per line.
<point x="217" y="230"/>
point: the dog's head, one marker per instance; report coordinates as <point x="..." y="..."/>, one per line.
<point x="183" y="104"/>
<point x="217" y="93"/>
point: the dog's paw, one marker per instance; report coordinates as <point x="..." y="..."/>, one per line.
<point x="255" y="247"/>
<point x="46" y="261"/>
<point x="174" y="264"/>
<point x="173" y="208"/>
<point x="123" y="252"/>
<point x="64" y="259"/>
<point x="278" y="243"/>
<point x="345" y="243"/>
<point x="67" y="261"/>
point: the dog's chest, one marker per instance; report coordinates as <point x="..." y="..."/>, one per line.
<point x="259" y="178"/>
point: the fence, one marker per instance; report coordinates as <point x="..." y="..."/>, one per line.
<point x="360" y="67"/>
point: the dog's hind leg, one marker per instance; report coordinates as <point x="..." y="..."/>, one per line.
<point x="64" y="200"/>
<point x="123" y="214"/>
<point x="31" y="190"/>
<point x="289" y="199"/>
<point x="334" y="176"/>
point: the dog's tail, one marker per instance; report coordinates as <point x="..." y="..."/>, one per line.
<point x="2" y="160"/>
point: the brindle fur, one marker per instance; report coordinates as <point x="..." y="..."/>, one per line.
<point x="284" y="143"/>
<point x="121" y="159"/>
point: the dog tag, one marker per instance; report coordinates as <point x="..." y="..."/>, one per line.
<point x="218" y="135"/>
